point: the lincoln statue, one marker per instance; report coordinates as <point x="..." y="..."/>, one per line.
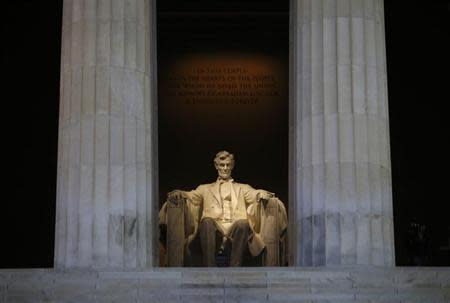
<point x="226" y="209"/>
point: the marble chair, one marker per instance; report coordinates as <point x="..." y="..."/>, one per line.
<point x="178" y="220"/>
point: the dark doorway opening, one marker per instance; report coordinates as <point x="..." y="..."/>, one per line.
<point x="223" y="74"/>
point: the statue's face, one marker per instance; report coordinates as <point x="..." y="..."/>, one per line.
<point x="224" y="168"/>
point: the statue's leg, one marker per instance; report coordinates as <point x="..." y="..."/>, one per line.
<point x="239" y="233"/>
<point x="208" y="237"/>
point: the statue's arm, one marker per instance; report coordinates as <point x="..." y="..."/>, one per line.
<point x="252" y="195"/>
<point x="194" y="196"/>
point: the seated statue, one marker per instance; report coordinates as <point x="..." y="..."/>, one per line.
<point x="226" y="214"/>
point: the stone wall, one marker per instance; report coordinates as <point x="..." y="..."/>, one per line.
<point x="361" y="284"/>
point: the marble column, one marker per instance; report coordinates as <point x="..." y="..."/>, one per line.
<point x="105" y="158"/>
<point x="342" y="179"/>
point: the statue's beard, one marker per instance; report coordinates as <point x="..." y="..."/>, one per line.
<point x="224" y="175"/>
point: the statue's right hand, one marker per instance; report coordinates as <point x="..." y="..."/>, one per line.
<point x="176" y="195"/>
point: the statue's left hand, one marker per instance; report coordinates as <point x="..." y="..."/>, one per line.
<point x="263" y="195"/>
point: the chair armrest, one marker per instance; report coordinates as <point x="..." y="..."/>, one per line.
<point x="273" y="223"/>
<point x="181" y="220"/>
<point x="175" y="233"/>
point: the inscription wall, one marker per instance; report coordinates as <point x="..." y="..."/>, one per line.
<point x="212" y="84"/>
<point x="236" y="101"/>
<point x="222" y="80"/>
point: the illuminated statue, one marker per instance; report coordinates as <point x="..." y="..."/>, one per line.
<point x="229" y="211"/>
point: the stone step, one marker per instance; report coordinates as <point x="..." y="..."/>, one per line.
<point x="293" y="284"/>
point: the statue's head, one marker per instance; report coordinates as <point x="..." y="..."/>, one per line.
<point x="224" y="163"/>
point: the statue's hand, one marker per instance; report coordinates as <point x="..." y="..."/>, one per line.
<point x="176" y="195"/>
<point x="263" y="195"/>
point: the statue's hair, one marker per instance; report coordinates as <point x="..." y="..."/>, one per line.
<point x="222" y="155"/>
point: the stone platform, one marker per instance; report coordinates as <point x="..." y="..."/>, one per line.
<point x="366" y="284"/>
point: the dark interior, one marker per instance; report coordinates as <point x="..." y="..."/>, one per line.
<point x="218" y="40"/>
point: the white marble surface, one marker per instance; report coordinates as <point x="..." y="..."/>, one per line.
<point x="342" y="179"/>
<point x="104" y="213"/>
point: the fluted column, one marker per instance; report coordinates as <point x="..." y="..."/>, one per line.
<point x="339" y="95"/>
<point x="104" y="212"/>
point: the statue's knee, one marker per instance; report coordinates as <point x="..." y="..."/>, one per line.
<point x="242" y="225"/>
<point x="207" y="222"/>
